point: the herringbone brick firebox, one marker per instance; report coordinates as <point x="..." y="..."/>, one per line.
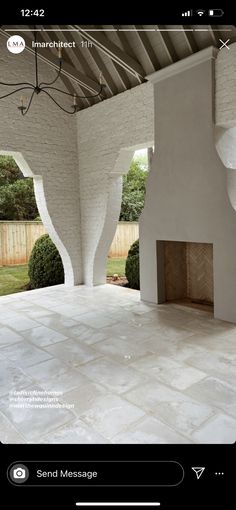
<point x="188" y="271"/>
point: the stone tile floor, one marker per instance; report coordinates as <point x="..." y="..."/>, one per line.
<point x="125" y="372"/>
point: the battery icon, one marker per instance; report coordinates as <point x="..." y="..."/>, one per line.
<point x="215" y="12"/>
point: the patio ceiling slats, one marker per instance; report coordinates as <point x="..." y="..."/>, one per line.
<point x="123" y="56"/>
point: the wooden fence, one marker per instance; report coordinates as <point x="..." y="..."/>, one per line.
<point x="17" y="239"/>
<point x="126" y="233"/>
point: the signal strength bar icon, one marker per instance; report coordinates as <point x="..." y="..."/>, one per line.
<point x="187" y="13"/>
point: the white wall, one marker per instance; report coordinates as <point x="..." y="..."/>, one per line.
<point x="187" y="197"/>
<point x="108" y="135"/>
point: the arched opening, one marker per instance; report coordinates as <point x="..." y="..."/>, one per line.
<point x="23" y="219"/>
<point x="134" y="178"/>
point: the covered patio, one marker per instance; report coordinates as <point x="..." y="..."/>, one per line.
<point x="124" y="371"/>
<point x="87" y="362"/>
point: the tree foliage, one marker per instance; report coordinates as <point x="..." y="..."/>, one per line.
<point x="9" y="171"/>
<point x="17" y="199"/>
<point x="133" y="194"/>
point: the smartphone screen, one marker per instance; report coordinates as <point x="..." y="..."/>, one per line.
<point x="117" y="257"/>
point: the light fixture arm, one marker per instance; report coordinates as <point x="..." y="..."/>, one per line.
<point x="37" y="88"/>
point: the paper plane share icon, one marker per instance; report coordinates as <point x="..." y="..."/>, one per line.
<point x="198" y="471"/>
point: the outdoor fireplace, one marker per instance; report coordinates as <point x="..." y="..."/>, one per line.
<point x="188" y="226"/>
<point x="187" y="272"/>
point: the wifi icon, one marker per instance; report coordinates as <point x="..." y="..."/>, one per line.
<point x="200" y="12"/>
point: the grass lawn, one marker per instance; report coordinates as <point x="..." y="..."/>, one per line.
<point x="116" y="266"/>
<point x="15" y="278"/>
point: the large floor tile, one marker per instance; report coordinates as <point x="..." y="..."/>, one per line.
<point x="76" y="433"/>
<point x="70" y="310"/>
<point x="33" y="423"/>
<point x="110" y="414"/>
<point x="98" y="319"/>
<point x="215" y="364"/>
<point x="12" y="378"/>
<point x="150" y="430"/>
<point x="43" y="336"/>
<point x="85" y="334"/>
<point x="168" y="371"/>
<point x="53" y="375"/>
<point x="84" y="397"/>
<point x="8" y="433"/>
<point x="7" y="336"/>
<point x="181" y="413"/>
<point x="73" y="352"/>
<point x="58" y="322"/>
<point x="19" y="323"/>
<point x="122" y="351"/>
<point x="25" y="354"/>
<point x="221" y="429"/>
<point x="112" y="375"/>
<point x="211" y="342"/>
<point x="214" y="392"/>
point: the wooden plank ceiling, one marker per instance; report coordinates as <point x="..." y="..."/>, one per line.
<point x="124" y="55"/>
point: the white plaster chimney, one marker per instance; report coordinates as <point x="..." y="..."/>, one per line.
<point x="187" y="199"/>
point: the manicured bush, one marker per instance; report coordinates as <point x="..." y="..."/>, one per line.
<point x="132" y="266"/>
<point x="45" y="264"/>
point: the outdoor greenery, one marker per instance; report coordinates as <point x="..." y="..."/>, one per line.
<point x="9" y="171"/>
<point x="45" y="264"/>
<point x="17" y="199"/>
<point x="13" y="279"/>
<point x="16" y="279"/>
<point x="116" y="266"/>
<point x="133" y="194"/>
<point x="132" y="266"/>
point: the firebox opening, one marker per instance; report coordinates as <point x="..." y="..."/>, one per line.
<point x="185" y="273"/>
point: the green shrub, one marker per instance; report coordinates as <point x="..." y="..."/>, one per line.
<point x="45" y="264"/>
<point x="132" y="266"/>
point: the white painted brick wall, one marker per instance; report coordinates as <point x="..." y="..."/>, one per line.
<point x="122" y="122"/>
<point x="226" y="87"/>
<point x="46" y="140"/>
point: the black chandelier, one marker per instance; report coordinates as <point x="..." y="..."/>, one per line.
<point x="44" y="87"/>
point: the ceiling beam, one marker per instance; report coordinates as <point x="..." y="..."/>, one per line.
<point x="66" y="55"/>
<point x="190" y="40"/>
<point x="214" y="35"/>
<point x="129" y="64"/>
<point x="68" y="70"/>
<point x="167" y="43"/>
<point x="102" y="67"/>
<point x="92" y="52"/>
<point x="149" y="51"/>
<point x="121" y="73"/>
<point x="122" y="38"/>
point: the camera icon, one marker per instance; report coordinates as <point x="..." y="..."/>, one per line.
<point x="18" y="473"/>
